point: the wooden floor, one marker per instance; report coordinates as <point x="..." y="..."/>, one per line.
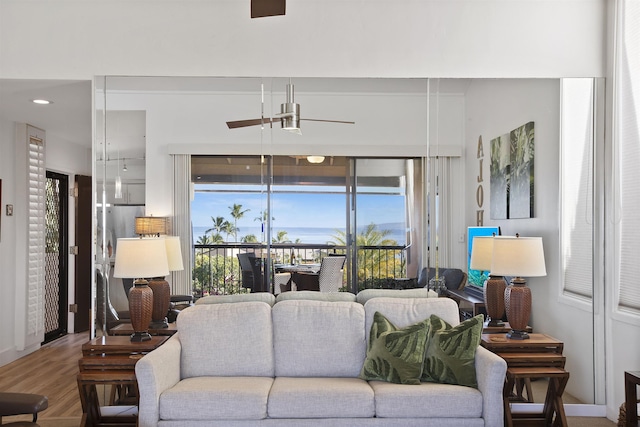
<point x="50" y="371"/>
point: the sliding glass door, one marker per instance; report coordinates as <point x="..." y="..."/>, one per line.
<point x="292" y="210"/>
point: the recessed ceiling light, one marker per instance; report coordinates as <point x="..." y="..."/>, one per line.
<point x="41" y="101"/>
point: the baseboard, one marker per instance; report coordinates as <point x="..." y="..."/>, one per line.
<point x="11" y="354"/>
<point x="570" y="409"/>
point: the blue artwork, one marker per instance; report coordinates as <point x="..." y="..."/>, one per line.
<point x="477" y="277"/>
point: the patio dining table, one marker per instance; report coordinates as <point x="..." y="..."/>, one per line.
<point x="297" y="268"/>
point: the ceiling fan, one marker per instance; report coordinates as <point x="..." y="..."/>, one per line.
<point x="262" y="8"/>
<point x="289" y="116"/>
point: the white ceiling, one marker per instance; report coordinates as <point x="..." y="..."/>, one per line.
<point x="68" y="118"/>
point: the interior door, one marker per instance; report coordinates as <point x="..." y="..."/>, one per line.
<point x="56" y="258"/>
<point x="84" y="261"/>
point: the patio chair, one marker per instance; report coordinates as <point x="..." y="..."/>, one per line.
<point x="247" y="260"/>
<point x="328" y="279"/>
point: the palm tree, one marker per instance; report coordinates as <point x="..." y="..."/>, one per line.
<point x="250" y="238"/>
<point x="228" y="229"/>
<point x="264" y="216"/>
<point x="280" y="238"/>
<point x="369" y="260"/>
<point x="204" y="240"/>
<point x="218" y="225"/>
<point x="237" y="213"/>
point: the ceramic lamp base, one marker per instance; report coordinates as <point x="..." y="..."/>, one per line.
<point x="493" y="293"/>
<point x="161" y="301"/>
<point x="140" y="309"/>
<point x="517" y="301"/>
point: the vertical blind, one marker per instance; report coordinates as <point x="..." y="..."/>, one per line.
<point x="181" y="280"/>
<point x="577" y="129"/>
<point x="627" y="154"/>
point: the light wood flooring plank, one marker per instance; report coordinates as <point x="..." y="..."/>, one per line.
<point x="50" y="371"/>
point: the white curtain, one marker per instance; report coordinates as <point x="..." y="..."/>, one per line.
<point x="181" y="226"/>
<point x="627" y="155"/>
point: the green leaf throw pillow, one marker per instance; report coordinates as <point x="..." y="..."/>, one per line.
<point x="451" y="351"/>
<point x="395" y="354"/>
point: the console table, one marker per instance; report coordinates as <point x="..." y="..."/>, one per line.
<point x="110" y="361"/>
<point x="462" y="296"/>
<point x="540" y="356"/>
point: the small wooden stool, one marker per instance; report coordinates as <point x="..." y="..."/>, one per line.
<point x="553" y="405"/>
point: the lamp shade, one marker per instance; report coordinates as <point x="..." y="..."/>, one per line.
<point x="518" y="256"/>
<point x="174" y="254"/>
<point x="481" y="253"/>
<point x="151" y="225"/>
<point x="141" y="258"/>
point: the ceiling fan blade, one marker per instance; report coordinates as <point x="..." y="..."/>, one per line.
<point x="330" y="121"/>
<point x="262" y="8"/>
<point x="251" y="122"/>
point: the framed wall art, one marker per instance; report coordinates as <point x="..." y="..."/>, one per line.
<point x="512" y="173"/>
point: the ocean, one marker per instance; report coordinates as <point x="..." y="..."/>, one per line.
<point x="313" y="235"/>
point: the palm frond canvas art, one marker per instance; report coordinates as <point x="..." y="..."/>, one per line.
<point x="512" y="173"/>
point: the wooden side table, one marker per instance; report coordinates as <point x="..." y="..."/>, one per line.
<point x="506" y="328"/>
<point x="631" y="381"/>
<point x="126" y="329"/>
<point x="110" y="361"/>
<point x="553" y="405"/>
<point x="540" y="356"/>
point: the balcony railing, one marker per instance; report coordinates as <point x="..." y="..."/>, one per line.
<point x="216" y="269"/>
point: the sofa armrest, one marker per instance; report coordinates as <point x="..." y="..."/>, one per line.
<point x="491" y="372"/>
<point x="156" y="372"/>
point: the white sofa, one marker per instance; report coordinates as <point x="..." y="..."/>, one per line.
<point x="297" y="363"/>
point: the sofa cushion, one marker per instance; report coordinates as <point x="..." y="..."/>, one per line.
<point x="366" y="294"/>
<point x="208" y="398"/>
<point x="267" y="297"/>
<point x="320" y="398"/>
<point x="315" y="295"/>
<point x="318" y="338"/>
<point x="451" y="351"/>
<point x="209" y="335"/>
<point x="395" y="354"/>
<point x="426" y="400"/>
<point x="407" y="311"/>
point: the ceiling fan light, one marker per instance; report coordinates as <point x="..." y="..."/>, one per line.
<point x="315" y="159"/>
<point x="291" y="120"/>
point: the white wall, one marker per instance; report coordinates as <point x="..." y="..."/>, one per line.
<point x="493" y="109"/>
<point x="63" y="157"/>
<point x="71" y="39"/>
<point x="7" y="242"/>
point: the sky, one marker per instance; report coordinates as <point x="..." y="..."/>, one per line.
<point x="293" y="210"/>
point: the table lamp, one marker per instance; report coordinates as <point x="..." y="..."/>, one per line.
<point x="494" y="287"/>
<point x="518" y="257"/>
<point x="139" y="258"/>
<point x="160" y="287"/>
